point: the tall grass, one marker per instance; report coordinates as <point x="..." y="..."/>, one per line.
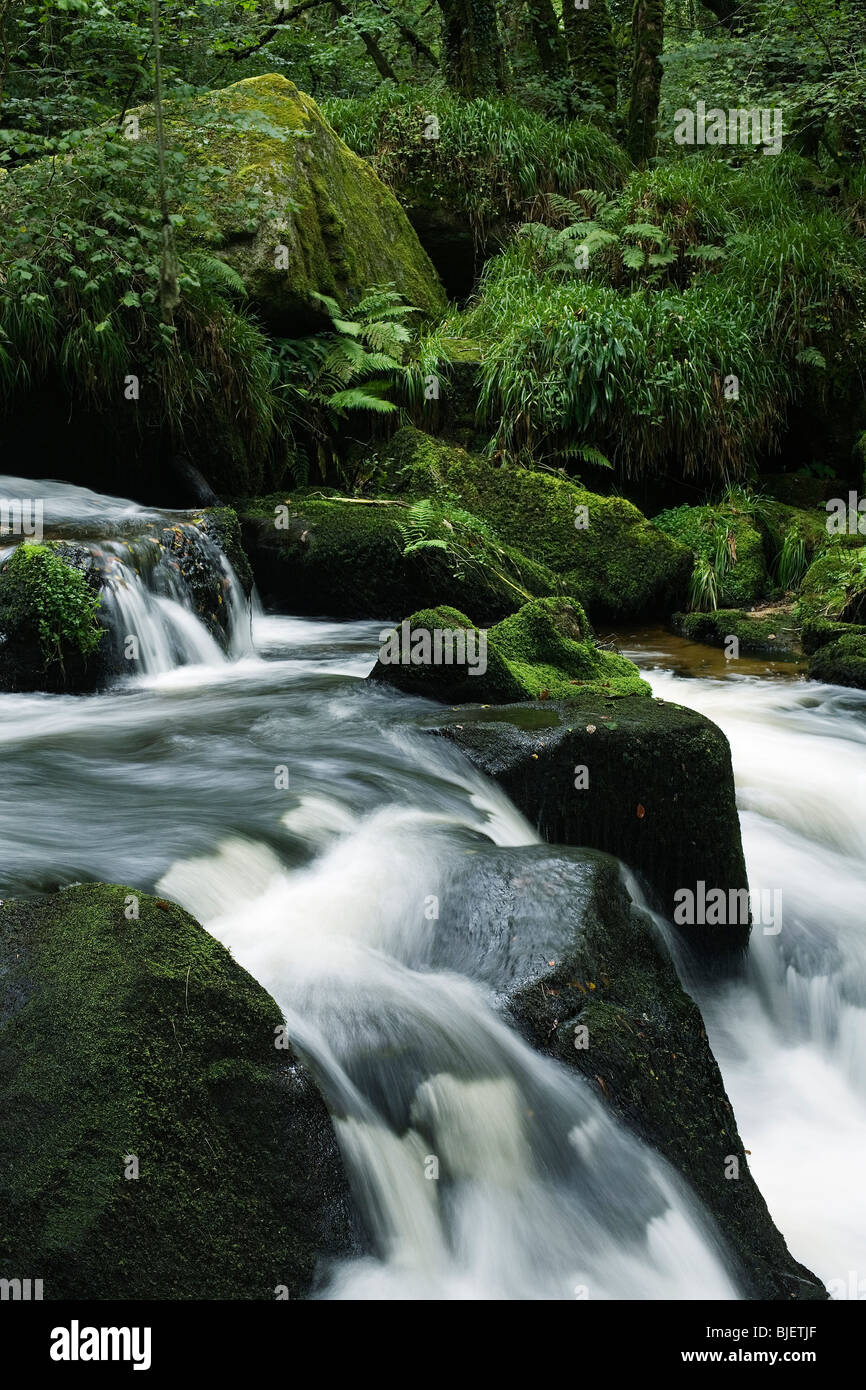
<point x="642" y="365"/>
<point x="490" y="157"/>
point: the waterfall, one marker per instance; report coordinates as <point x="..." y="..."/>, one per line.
<point x="169" y="596"/>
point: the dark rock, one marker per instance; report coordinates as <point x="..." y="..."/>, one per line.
<point x="143" y="1037"/>
<point x="556" y="933"/>
<point x="659" y="794"/>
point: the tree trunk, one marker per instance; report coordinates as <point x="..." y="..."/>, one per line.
<point x="472" y="53"/>
<point x="646" y="79"/>
<point x="591" y="50"/>
<point x="383" y="67"/>
<point x="548" y="38"/>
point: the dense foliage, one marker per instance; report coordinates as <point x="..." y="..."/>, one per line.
<point x="680" y="318"/>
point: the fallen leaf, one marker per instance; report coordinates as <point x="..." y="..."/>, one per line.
<point x="640" y="812"/>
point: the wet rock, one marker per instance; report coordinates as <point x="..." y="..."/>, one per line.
<point x="584" y="976"/>
<point x="155" y="1143"/>
<point x="646" y="780"/>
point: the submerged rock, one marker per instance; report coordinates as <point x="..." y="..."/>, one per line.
<point x="586" y="979"/>
<point x="156" y="1143"/>
<point x="602" y="549"/>
<point x="546" y="650"/>
<point x="325" y="223"/>
<point x="645" y="780"/>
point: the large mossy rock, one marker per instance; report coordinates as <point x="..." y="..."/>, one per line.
<point x="648" y="781"/>
<point x="342" y="228"/>
<point x="341" y="557"/>
<point x="555" y="934"/>
<point x="602" y="549"/>
<point x="126" y="1037"/>
<point x="50" y="636"/>
<point x="546" y="650"/>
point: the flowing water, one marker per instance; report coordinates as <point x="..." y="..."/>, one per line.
<point x="790" y="1037"/>
<point x="309" y="821"/>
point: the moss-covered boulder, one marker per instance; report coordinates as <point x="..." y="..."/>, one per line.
<point x="546" y="650"/>
<point x="841" y="661"/>
<point x="648" y="781"/>
<point x="770" y="633"/>
<point x="582" y="974"/>
<point x="730" y="542"/>
<point x="602" y="549"/>
<point x="155" y="1142"/>
<point x="50" y="636"/>
<point x="344" y="557"/>
<point x="834" y="586"/>
<point x="323" y="221"/>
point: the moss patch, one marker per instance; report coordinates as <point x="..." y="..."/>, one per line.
<point x="841" y="661"/>
<point x="603" y="550"/>
<point x="49" y="630"/>
<point x="770" y="635"/>
<point x="546" y="650"/>
<point x="723" y="532"/>
<point x="143" y="1037"/>
<point x="834" y="586"/>
<point x="343" y="557"/>
<point x="342" y="228"/>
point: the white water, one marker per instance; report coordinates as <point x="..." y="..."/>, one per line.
<point x="168" y="782"/>
<point x="791" y="1038"/>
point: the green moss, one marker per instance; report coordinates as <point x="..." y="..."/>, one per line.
<point x="772" y="635"/>
<point x="49" y="630"/>
<point x="546" y="650"/>
<point x="291" y="182"/>
<point x="341" y="557"/>
<point x="834" y="586"/>
<point x="841" y="661"/>
<point x="713" y="531"/>
<point x="602" y="549"/>
<point x="140" y="1036"/>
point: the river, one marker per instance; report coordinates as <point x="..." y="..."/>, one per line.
<point x="307" y="820"/>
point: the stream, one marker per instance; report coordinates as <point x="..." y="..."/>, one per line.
<point x="308" y="821"/>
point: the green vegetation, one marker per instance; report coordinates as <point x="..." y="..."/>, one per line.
<point x="334" y="556"/>
<point x="602" y="549"/>
<point x="492" y="159"/>
<point x="48" y="619"/>
<point x="546" y="650"/>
